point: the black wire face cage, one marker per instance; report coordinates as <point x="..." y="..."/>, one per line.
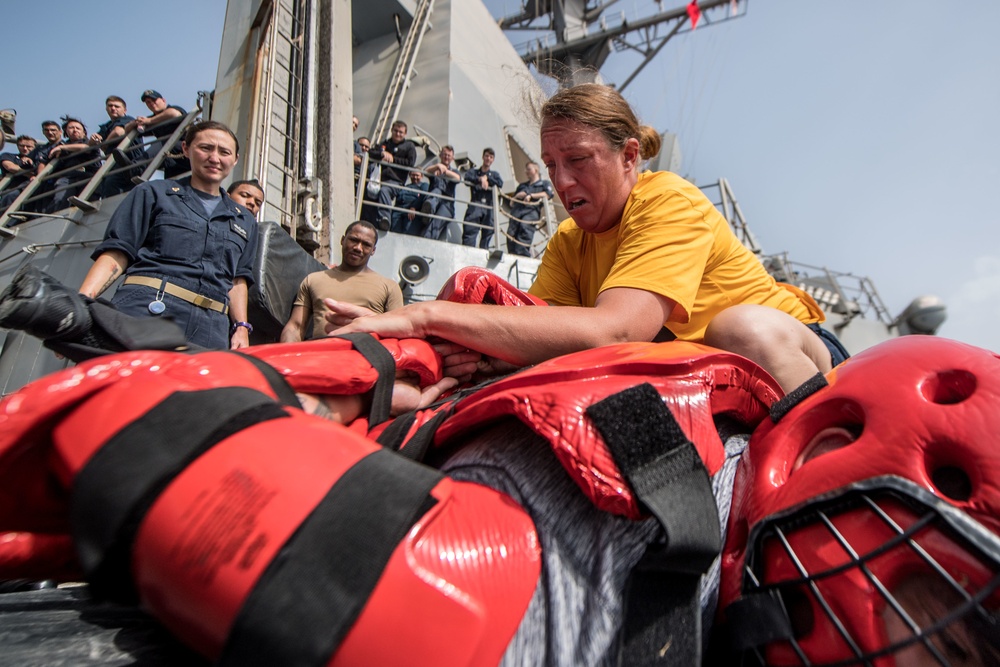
<point x="881" y="573"/>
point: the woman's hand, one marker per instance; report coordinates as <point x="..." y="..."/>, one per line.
<point x="239" y="339"/>
<point x="400" y="323"/>
<point x="342" y="313"/>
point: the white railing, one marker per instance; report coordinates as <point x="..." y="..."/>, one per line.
<point x="35" y="196"/>
<point x="500" y="207"/>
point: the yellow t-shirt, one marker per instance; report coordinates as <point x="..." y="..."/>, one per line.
<point x="671" y="241"/>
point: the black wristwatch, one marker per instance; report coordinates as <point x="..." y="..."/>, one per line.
<point x="237" y="325"/>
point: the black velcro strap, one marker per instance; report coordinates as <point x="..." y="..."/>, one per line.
<point x="415" y="449"/>
<point x="665" y="471"/>
<point x="114" y="490"/>
<point x="312" y="592"/>
<point x="394" y="434"/>
<point x="754" y="620"/>
<point x="383" y="363"/>
<point x="417" y="446"/>
<point x="280" y="387"/>
<point x="796" y="396"/>
<point x="662" y="623"/>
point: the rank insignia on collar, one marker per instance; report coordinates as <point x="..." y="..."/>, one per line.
<point x="176" y="189"/>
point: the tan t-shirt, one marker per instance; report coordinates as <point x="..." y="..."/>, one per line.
<point x="367" y="288"/>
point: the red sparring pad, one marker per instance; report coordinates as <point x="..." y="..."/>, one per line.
<point x="696" y="382"/>
<point x="476" y="285"/>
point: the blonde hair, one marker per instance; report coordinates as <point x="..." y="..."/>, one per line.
<point x="604" y="109"/>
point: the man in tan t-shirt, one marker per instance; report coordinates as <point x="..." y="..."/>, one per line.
<point x="352" y="282"/>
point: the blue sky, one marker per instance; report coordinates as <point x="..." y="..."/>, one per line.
<point x="857" y="135"/>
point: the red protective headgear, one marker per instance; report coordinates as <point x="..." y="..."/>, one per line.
<point x="865" y="526"/>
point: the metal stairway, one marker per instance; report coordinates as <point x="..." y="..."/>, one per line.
<point x="277" y="110"/>
<point x="400" y="80"/>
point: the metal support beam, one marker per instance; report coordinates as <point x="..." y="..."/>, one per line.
<point x="334" y="108"/>
<point x="574" y="42"/>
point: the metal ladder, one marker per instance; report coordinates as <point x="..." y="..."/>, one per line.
<point x="734" y="216"/>
<point x="277" y="117"/>
<point x="400" y="80"/>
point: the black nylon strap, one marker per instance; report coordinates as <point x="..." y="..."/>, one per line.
<point x="796" y="396"/>
<point x="663" y="621"/>
<point x="394" y="436"/>
<point x="756" y="619"/>
<point x="417" y="446"/>
<point x="395" y="433"/>
<point x="665" y="471"/>
<point x="116" y="487"/>
<point x="286" y="395"/>
<point x="384" y="365"/>
<point x="312" y="592"/>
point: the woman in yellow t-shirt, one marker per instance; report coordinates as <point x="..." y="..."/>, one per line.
<point x="640" y="253"/>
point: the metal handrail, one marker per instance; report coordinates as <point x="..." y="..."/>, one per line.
<point x="34" y="192"/>
<point x="26" y="193"/>
<point x="403" y="69"/>
<point x="56" y="173"/>
<point x="109" y="167"/>
<point x="731" y="211"/>
<point x="544" y="226"/>
<point x="164" y="153"/>
<point x="840" y="292"/>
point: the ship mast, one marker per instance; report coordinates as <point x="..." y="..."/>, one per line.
<point x="579" y="35"/>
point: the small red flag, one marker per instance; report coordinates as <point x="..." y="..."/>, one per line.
<point x="694" y="12"/>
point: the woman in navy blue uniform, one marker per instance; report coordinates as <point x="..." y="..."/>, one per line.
<point x="186" y="249"/>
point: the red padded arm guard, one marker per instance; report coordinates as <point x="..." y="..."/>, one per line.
<point x="225" y="530"/>
<point x="332" y="366"/>
<point x="33" y="503"/>
<point x="33" y="498"/>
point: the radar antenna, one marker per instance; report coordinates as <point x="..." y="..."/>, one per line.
<point x="579" y="35"/>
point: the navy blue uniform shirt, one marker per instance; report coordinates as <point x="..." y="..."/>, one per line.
<point x="20" y="177"/>
<point x="105" y="129"/>
<point x="478" y="193"/>
<point x="41" y="153"/>
<point x="166" y="128"/>
<point x="443" y="185"/>
<point x="162" y="228"/>
<point x="519" y="208"/>
<point x="77" y="158"/>
<point x="404" y="153"/>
